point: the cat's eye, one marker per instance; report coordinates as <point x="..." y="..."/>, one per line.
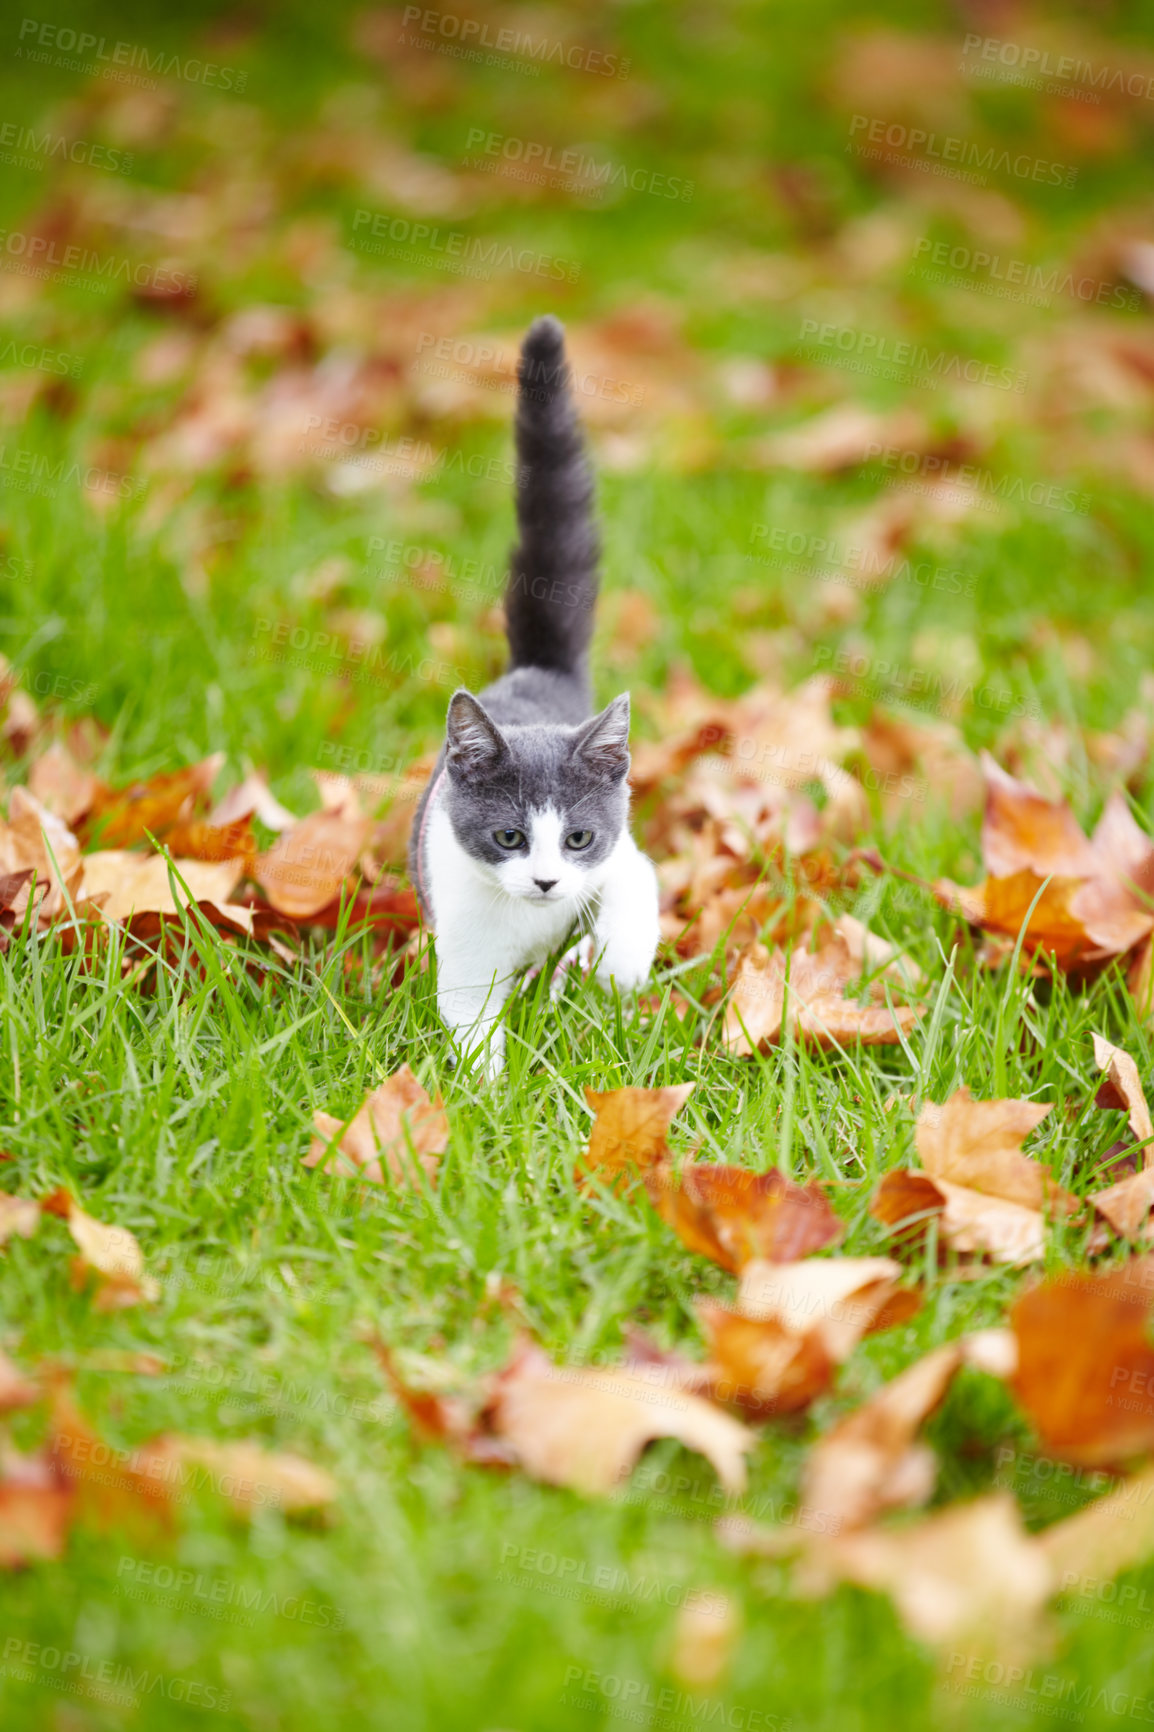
<point x="509" y="838"/>
<point x="578" y="839"/>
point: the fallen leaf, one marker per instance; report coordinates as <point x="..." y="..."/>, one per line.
<point x="733" y="1215"/>
<point x="18" y="1215"/>
<point x="34" y="839"/>
<point x="35" y="1509"/>
<point x="198" y="839"/>
<point x="978" y="1144"/>
<point x="248" y="1475"/>
<point x="1123" y="1088"/>
<point x="873" y="955"/>
<point x="113" y="1488"/>
<point x="1127" y="1204"/>
<point x="1096" y="904"/>
<point x="706" y="1632"/>
<point x="966" y="1578"/>
<point x="870" y="1462"/>
<point x="1086" y="1370"/>
<point x="394" y="1125"/>
<point x="586" y="1428"/>
<point x="762" y="1366"/>
<point x="1114" y="1533"/>
<point x="970" y="1222"/>
<point x="838" y="1298"/>
<point x="907" y="1201"/>
<point x="120" y="817"/>
<point x="1021" y="831"/>
<point x="252" y="798"/>
<point x="813" y="1003"/>
<point x="62" y="785"/>
<point x="388" y="908"/>
<point x="112" y="1254"/>
<point x="124" y="884"/>
<point x="310" y="864"/>
<point x="628" y="1133"/>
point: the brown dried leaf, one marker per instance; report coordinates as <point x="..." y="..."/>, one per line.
<point x="125" y="885"/>
<point x="760" y="1365"/>
<point x="1021" y="831"/>
<point x="969" y="1221"/>
<point x="977" y="1144"/>
<point x="1123" y="1088"/>
<point x="1127" y="1204"/>
<point x="628" y="1133"/>
<point x="1001" y="905"/>
<point x="967" y="1578"/>
<point x="733" y="1215"/>
<point x="62" y="785"/>
<point x="1097" y="902"/>
<point x="35" y="1509"/>
<point x="976" y="1224"/>
<point x="309" y="865"/>
<point x="1113" y="1533"/>
<point x="705" y="1635"/>
<point x="395" y="1124"/>
<point x="907" y="1199"/>
<point x="198" y="839"/>
<point x="253" y="798"/>
<point x="112" y="1254"/>
<point x="815" y="1006"/>
<point x="18" y="1215"/>
<point x="870" y="1462"/>
<point x="31" y="838"/>
<point x="120" y="817"/>
<point x="838" y="1299"/>
<point x="586" y="1428"/>
<point x="113" y="1488"/>
<point x="1086" y="1370"/>
<point x="248" y="1475"/>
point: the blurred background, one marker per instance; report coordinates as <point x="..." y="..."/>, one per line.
<point x="859" y="307"/>
<point x="860" y="303"/>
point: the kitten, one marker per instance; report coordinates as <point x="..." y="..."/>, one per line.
<point x="523" y="829"/>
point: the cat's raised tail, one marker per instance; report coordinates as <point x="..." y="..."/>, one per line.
<point x="553" y="568"/>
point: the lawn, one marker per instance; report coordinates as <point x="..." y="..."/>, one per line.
<point x="255" y="464"/>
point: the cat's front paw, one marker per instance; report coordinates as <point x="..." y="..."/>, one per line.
<point x="625" y="966"/>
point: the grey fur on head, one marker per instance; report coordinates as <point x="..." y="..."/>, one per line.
<point x="499" y="776"/>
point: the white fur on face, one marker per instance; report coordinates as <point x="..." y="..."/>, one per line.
<point x="546" y="859"/>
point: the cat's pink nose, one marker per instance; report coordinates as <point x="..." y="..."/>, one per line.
<point x="544" y="884"/>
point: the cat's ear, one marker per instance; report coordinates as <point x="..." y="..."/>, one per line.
<point x="476" y="746"/>
<point x="603" y="742"/>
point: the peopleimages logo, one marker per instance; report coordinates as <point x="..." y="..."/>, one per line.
<point x="1018" y="63"/>
<point x="24" y="147"/>
<point x="473" y="40"/>
<point x="81" y="51"/>
<point x="1005" y="274"/>
<point x="476" y="256"/>
<point x="567" y="168"/>
<point x="37" y="256"/>
<point x="945" y="153"/>
<point x="874" y="352"/>
<point x="55" y="361"/>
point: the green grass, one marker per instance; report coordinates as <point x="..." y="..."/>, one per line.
<point x="183" y="1113"/>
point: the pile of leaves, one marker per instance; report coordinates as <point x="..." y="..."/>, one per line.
<point x="157" y="863"/>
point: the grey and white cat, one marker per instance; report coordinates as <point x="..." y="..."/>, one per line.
<point x="522" y="834"/>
